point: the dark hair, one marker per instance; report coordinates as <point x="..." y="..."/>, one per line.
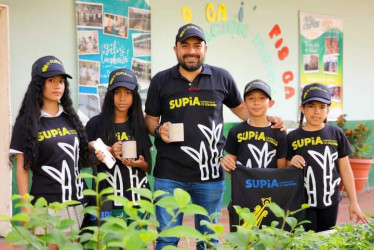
<point x="136" y="117"/>
<point x="31" y="110"/>
<point x="302" y="115"/>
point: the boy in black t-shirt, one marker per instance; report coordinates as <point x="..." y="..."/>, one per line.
<point x="253" y="143"/>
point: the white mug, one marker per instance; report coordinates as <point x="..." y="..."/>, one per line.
<point x="129" y="150"/>
<point x="176" y="132"/>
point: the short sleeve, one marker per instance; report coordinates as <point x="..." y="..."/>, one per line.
<point x="231" y="146"/>
<point x="153" y="102"/>
<point x="282" y="145"/>
<point x="290" y="151"/>
<point x="233" y="97"/>
<point x="92" y="128"/>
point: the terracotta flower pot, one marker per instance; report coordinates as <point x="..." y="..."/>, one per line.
<point x="361" y="169"/>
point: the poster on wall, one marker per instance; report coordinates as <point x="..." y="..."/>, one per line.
<point x="321" y="55"/>
<point x="111" y="34"/>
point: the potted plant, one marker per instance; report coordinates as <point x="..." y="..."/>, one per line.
<point x="359" y="159"/>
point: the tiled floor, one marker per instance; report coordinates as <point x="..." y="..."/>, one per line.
<point x="365" y="199"/>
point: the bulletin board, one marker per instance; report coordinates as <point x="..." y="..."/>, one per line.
<point x="111" y="34"/>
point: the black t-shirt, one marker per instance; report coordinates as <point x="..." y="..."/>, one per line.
<point x="54" y="176"/>
<point x="256" y="147"/>
<point x="170" y="96"/>
<point x="321" y="150"/>
<point x="121" y="177"/>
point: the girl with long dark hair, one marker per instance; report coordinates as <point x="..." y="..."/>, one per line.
<point x="122" y="119"/>
<point x="322" y="150"/>
<point x="49" y="139"/>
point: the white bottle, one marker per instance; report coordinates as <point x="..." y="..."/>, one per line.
<point x="109" y="159"/>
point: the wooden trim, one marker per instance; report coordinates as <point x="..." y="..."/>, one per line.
<point x="5" y="170"/>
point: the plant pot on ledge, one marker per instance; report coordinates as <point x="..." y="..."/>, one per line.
<point x="361" y="169"/>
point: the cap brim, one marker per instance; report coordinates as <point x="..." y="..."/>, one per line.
<point x="55" y="73"/>
<point x="318" y="99"/>
<point x="188" y="36"/>
<point x="257" y="88"/>
<point x="130" y="86"/>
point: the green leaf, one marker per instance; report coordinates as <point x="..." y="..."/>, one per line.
<point x="16" y="197"/>
<point x="59" y="237"/>
<point x="148" y="236"/>
<point x="194" y="209"/>
<point x="305" y="206"/>
<point x="89" y="192"/>
<point x="108" y="190"/>
<point x="181" y="231"/>
<point x="71" y="203"/>
<point x="144" y="192"/>
<point x="158" y="193"/>
<point x="181" y="197"/>
<point x="91" y="210"/>
<point x="118" y="221"/>
<point x="238" y="240"/>
<point x="41" y="202"/>
<point x="101" y="176"/>
<point x="23" y="217"/>
<point x="121" y="200"/>
<point x="167" y="202"/>
<point x="250" y="218"/>
<point x="85" y="175"/>
<point x="277" y="210"/>
<point x="147" y="206"/>
<point x="66" y="223"/>
<point x="291" y="221"/>
<point x="215" y="215"/>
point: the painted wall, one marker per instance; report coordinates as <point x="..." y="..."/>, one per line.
<point x="252" y="54"/>
<point x="39" y="28"/>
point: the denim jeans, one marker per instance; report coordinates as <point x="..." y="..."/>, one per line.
<point x="206" y="194"/>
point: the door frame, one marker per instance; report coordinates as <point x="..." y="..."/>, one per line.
<point x="5" y="120"/>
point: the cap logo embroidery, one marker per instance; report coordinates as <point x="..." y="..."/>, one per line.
<point x="47" y="64"/>
<point x="313" y="88"/>
<point x="118" y="74"/>
<point x="254" y="83"/>
<point x="188" y="27"/>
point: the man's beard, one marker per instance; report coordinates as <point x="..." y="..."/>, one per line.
<point x="190" y="68"/>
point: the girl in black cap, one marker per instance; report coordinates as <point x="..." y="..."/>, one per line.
<point x="49" y="139"/>
<point x="322" y="151"/>
<point x="121" y="119"/>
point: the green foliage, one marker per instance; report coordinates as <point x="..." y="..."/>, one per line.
<point x="357" y="137"/>
<point x="138" y="229"/>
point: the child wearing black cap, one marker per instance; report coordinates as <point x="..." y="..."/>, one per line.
<point x="322" y="150"/>
<point x="253" y="143"/>
<point x="121" y="119"/>
<point x="49" y="139"/>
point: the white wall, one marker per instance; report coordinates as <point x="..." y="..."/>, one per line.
<point x="247" y="64"/>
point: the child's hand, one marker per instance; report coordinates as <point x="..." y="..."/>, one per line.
<point x="354" y="209"/>
<point x="139" y="163"/>
<point x="116" y="150"/>
<point x="228" y="163"/>
<point x="298" y="161"/>
<point x="99" y="155"/>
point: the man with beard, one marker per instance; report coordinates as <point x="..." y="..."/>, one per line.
<point x="192" y="93"/>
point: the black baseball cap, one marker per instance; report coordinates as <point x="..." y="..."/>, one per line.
<point x="257" y="84"/>
<point x="48" y="66"/>
<point x="189" y="30"/>
<point x="316" y="92"/>
<point x="122" y="78"/>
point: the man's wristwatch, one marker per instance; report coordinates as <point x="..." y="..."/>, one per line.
<point x="157" y="132"/>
